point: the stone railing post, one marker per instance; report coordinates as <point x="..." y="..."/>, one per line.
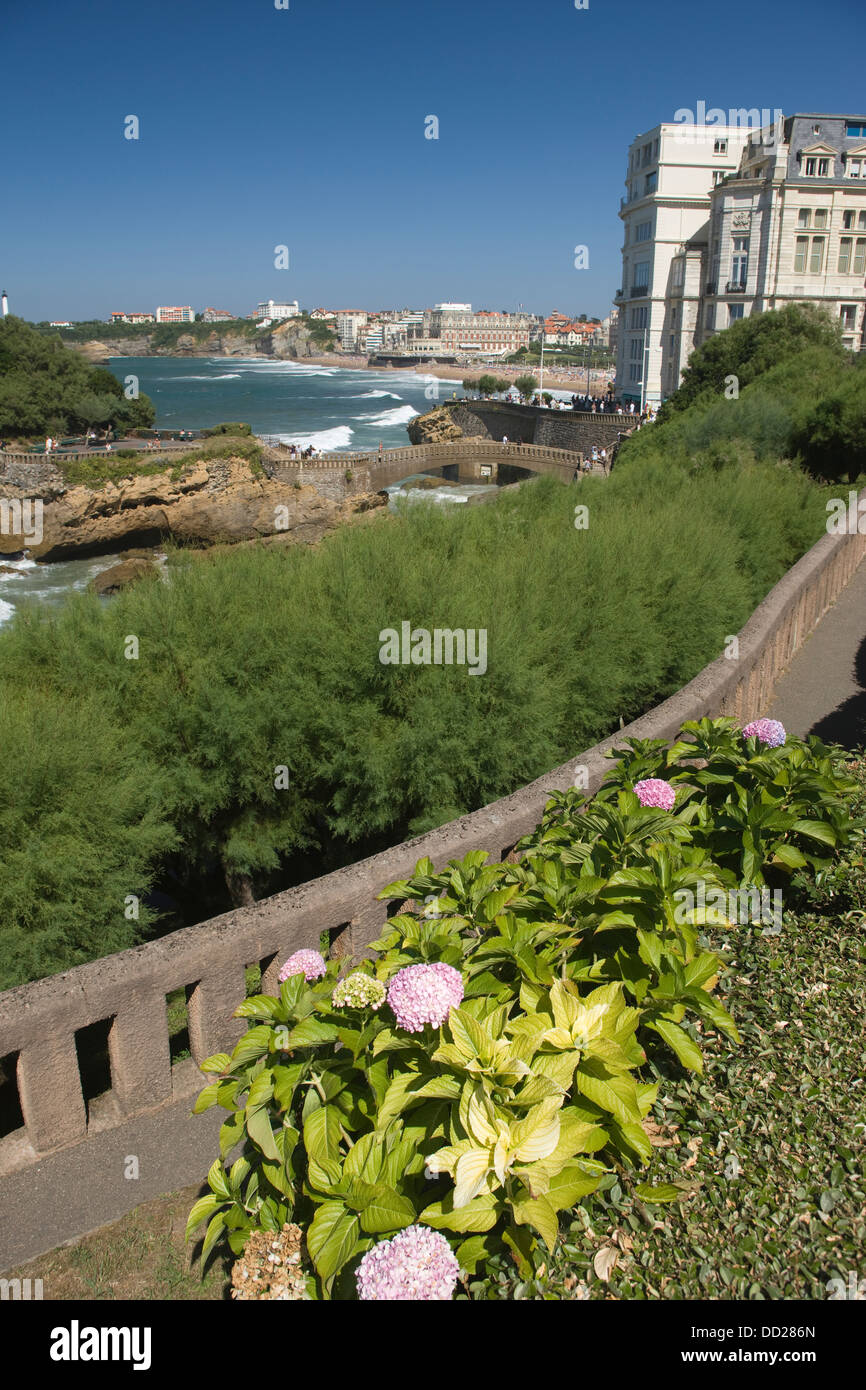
<point x="49" y="1087"/>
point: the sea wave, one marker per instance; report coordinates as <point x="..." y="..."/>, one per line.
<point x="25" y="564"/>
<point x="324" y="440"/>
<point x="221" y="376"/>
<point x="366" y="395"/>
<point x="6" y="611"/>
<point x="398" y="416"/>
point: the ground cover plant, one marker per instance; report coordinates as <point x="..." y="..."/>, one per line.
<point x="442" y="1110"/>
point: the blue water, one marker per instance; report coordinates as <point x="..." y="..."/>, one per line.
<point x="333" y="408"/>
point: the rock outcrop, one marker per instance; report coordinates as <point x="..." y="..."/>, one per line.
<point x="212" y="501"/>
<point x="129" y="571"/>
<point x="446" y="422"/>
<point x="287" y="340"/>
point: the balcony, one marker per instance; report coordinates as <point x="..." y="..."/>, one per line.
<point x="638" y="291"/>
<point x="735" y="287"/>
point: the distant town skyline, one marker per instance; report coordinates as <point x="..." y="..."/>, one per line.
<point x="255" y="129"/>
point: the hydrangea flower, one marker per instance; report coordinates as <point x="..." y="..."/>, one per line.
<point x="417" y="1264"/>
<point x="652" y="791"/>
<point x="769" y="731"/>
<point x="421" y="994"/>
<point x="310" y="964"/>
<point x="359" y="991"/>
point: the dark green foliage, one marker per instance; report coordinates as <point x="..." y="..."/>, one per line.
<point x="228" y="427"/>
<point x="263" y="657"/>
<point x="45" y="388"/>
<point x="752" y="347"/>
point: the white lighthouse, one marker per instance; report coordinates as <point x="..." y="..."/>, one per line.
<point x="5" y="303"/>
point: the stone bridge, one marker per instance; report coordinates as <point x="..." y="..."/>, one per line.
<point x="471" y="461"/>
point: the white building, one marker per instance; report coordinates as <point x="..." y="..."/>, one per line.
<point x="172" y="313"/>
<point x="270" y="309"/>
<point x="788" y="226"/>
<point x="348" y="323"/>
<point x="671" y="173"/>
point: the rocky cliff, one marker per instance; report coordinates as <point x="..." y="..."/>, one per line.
<point x="212" y="501"/>
<point x="286" y="340"/>
<point x="444" y="423"/>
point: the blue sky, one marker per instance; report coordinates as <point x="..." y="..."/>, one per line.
<point x="305" y="127"/>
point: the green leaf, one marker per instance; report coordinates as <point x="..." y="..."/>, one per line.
<point x="331" y="1238"/>
<point x="472" y="1252"/>
<point x="478" y="1215"/>
<point x="665" y="1192"/>
<point x="364" y="1159"/>
<point x="214" y="1231"/>
<point x="260" y="1092"/>
<point x="259" y="1130"/>
<point x="687" y="1051"/>
<point x="789" y="855"/>
<point x="260" y="1006"/>
<point x="615" y="1093"/>
<point x="217" y="1181"/>
<point x="286" y="1079"/>
<point x="567" y="1188"/>
<point x="310" y="1032"/>
<point x="816" y="830"/>
<point x="252" y="1045"/>
<point x="204" y="1207"/>
<point x="538" y="1213"/>
<point x="231" y="1132"/>
<point x="385" y="1211"/>
<point x="219" y="1062"/>
<point x="322" y="1134"/>
<point x="206" y="1098"/>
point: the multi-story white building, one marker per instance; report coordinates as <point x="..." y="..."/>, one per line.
<point x="349" y="321"/>
<point x="789" y="225"/>
<point x="671" y="172"/>
<point x="270" y="309"/>
<point x="217" y="315"/>
<point x="121" y="316"/>
<point x="175" y="313"/>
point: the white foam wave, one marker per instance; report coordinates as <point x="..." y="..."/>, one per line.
<point x="398" y="416"/>
<point x="6" y="611"/>
<point x="222" y="376"/>
<point x="367" y="395"/>
<point x="25" y="564"/>
<point x="324" y="440"/>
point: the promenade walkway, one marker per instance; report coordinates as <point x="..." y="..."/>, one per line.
<point x="823" y="691"/>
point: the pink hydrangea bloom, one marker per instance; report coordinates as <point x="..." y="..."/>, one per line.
<point x="769" y="731"/>
<point x="310" y="964"/>
<point x="421" y="994"/>
<point x="652" y="791"/>
<point x="416" y="1264"/>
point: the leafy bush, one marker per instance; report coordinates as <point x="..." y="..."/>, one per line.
<point x="228" y="427"/>
<point x="489" y="1111"/>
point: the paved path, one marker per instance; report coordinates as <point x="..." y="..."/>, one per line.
<point x="823" y="691"/>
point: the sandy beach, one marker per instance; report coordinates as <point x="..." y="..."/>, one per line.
<point x="561" y="379"/>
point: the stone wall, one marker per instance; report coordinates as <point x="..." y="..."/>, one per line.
<point x="63" y="1172"/>
<point x="529" y="424"/>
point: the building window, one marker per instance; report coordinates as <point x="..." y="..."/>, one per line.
<point x="802" y="250"/>
<point x="709" y="318"/>
<point x="672" y="342"/>
<point x="634" y="372"/>
<point x="718" y="175"/>
<point x="855" y="168"/>
<point x="636" y="349"/>
<point x="860" y="255"/>
<point x="820" y="217"/>
<point x="816" y="260"/>
<point x="845" y="246"/>
<point x="740" y="262"/>
<point x="678" y="274"/>
<point x="804" y="217"/>
<point x="813" y="167"/>
<point x="735" y="311"/>
<point x="848" y="221"/>
<point x="848" y="315"/>
<point x="643" y="231"/>
<point x="641" y="275"/>
<point x="861" y="221"/>
<point x="853" y="132"/>
<point x="720" y="147"/>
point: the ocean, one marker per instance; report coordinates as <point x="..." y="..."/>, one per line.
<point x="332" y="408"/>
